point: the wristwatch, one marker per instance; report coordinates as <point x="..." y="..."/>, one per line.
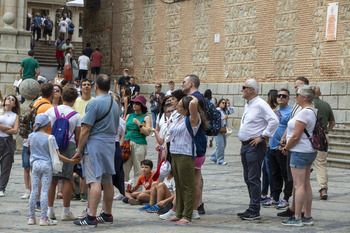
<point x="140" y="126"/>
<point x="284" y="149"/>
<point x="262" y="137"/>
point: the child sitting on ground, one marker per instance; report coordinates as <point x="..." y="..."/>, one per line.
<point x="137" y="198"/>
<point x="40" y="161"/>
<point x="162" y="193"/>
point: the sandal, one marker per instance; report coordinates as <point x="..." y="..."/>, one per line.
<point x="173" y="219"/>
<point x="183" y="222"/>
<point x="59" y="195"/>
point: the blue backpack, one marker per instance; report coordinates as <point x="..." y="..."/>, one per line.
<point x="199" y="141"/>
<point x="60" y="129"/>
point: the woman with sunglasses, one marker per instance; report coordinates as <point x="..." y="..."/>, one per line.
<point x="9" y="124"/>
<point x="59" y="78"/>
<point x="225" y="108"/>
<point x="138" y="126"/>
<point x="302" y="155"/>
<point x="57" y="95"/>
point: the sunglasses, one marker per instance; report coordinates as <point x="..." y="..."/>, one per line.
<point x="223" y="102"/>
<point x="59" y="73"/>
<point x="244" y="87"/>
<point x="57" y="90"/>
<point x="157" y="86"/>
<point x="11" y="98"/>
<point x="282" y="96"/>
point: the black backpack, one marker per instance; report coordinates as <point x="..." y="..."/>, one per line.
<point x="318" y="139"/>
<point x="214" y="118"/>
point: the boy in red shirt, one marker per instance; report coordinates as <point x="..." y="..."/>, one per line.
<point x="137" y="198"/>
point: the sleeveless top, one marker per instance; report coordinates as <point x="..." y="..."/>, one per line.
<point x="137" y="136"/>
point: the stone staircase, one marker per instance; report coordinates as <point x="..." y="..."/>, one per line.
<point x="339" y="147"/>
<point x="45" y="54"/>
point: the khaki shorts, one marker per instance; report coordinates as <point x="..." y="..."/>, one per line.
<point x="90" y="174"/>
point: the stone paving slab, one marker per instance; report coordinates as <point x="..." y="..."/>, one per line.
<point x="225" y="194"/>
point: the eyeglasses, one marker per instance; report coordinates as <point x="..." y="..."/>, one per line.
<point x="282" y="96"/>
<point x="57" y="90"/>
<point x="244" y="87"/>
<point x="11" y="98"/>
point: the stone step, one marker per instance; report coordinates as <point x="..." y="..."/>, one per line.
<point x="339" y="154"/>
<point x="340" y="131"/>
<point x="341" y="146"/>
<point x="339" y="138"/>
<point x="338" y="163"/>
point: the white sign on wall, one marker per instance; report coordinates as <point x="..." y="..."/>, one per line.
<point x="332" y="21"/>
<point x="217" y="38"/>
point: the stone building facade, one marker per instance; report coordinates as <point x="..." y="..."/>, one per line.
<point x="225" y="42"/>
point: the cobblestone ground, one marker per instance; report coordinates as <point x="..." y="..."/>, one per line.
<point x="225" y="194"/>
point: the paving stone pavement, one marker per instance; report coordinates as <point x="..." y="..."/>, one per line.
<point x="225" y="194"/>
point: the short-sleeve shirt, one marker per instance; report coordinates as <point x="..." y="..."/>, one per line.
<point x="88" y="52"/>
<point x="63" y="26"/>
<point x="29" y="65"/>
<point x="96" y="58"/>
<point x="123" y="81"/>
<point x="283" y="115"/>
<point x="134" y="88"/>
<point x="170" y="184"/>
<point x="37" y="21"/>
<point x="39" y="147"/>
<point x="145" y="182"/>
<point x="307" y="116"/>
<point x="43" y="108"/>
<point x="96" y="109"/>
<point x="8" y="118"/>
<point x="65" y="46"/>
<point x="74" y="121"/>
<point x="83" y="62"/>
<point x="48" y="22"/>
<point x="60" y="43"/>
<point x="324" y="110"/>
<point x="80" y="106"/>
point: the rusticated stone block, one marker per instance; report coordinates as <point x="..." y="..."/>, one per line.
<point x="200" y="71"/>
<point x="3" y="67"/>
<point x="171" y="72"/>
<point x="128" y="16"/>
<point x="241" y="11"/>
<point x="238" y="101"/>
<point x="286" y="5"/>
<point x="284" y="69"/>
<point x="344" y="48"/>
<point x="317" y="49"/>
<point x="172" y="47"/>
<point x="128" y="4"/>
<point x="173" y="8"/>
<point x="172" y="34"/>
<point x="325" y="88"/>
<point x="340" y="116"/>
<point x="149" y="12"/>
<point x="201" y="44"/>
<point x="239" y="71"/>
<point x="279" y="85"/>
<point x="126" y="62"/>
<point x="127" y="28"/>
<point x="332" y="100"/>
<point x="222" y="89"/>
<point x="287" y="20"/>
<point x="200" y="57"/>
<point x="240" y="55"/>
<point x="173" y="21"/>
<point x="12" y="68"/>
<point x="345" y="66"/>
<point x="234" y="88"/>
<point x="147" y="74"/>
<point x="344" y="12"/>
<point x="339" y="88"/>
<point x="319" y="16"/>
<point x="148" y="24"/>
<point x="266" y="87"/>
<point x="239" y="41"/>
<point x="344" y="102"/>
<point x="126" y="51"/>
<point x="148" y="49"/>
<point x="201" y="17"/>
<point x="318" y="34"/>
<point x="285" y="52"/>
<point x="202" y="4"/>
<point x="285" y="36"/>
<point x="127" y="39"/>
<point x="202" y="87"/>
<point x="148" y="61"/>
<point x="149" y="2"/>
<point x="230" y="2"/>
<point x="213" y="87"/>
<point x="240" y="26"/>
<point x="149" y="37"/>
<point x="201" y="31"/>
<point x="172" y="59"/>
<point x="7" y="78"/>
<point x="347" y="30"/>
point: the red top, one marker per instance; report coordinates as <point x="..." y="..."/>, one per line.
<point x="147" y="183"/>
<point x="96" y="58"/>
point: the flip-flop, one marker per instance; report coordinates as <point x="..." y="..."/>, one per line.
<point x="183" y="222"/>
<point x="174" y="219"/>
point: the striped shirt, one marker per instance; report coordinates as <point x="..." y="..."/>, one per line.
<point x="181" y="140"/>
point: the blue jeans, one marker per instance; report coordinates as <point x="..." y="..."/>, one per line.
<point x="219" y="153"/>
<point x="25" y="157"/>
<point x="154" y="119"/>
<point x="267" y="179"/>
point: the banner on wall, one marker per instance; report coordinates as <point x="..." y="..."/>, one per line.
<point x="332" y="21"/>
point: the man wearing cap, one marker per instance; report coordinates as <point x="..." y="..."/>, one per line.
<point x="258" y="123"/>
<point x="97" y="147"/>
<point x="123" y="80"/>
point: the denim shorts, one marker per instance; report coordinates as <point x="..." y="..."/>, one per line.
<point x="25" y="157"/>
<point x="302" y="160"/>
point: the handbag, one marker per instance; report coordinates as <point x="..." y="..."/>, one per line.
<point x="222" y="130"/>
<point x="125" y="147"/>
<point x="57" y="164"/>
<point x="229" y="131"/>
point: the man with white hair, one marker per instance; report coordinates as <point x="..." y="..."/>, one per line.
<point x="258" y="123"/>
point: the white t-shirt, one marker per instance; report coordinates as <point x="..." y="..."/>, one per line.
<point x="67" y="20"/>
<point x="161" y="121"/>
<point x="8" y="119"/>
<point x="121" y="130"/>
<point x="83" y="62"/>
<point x="74" y="121"/>
<point x="170" y="184"/>
<point x="63" y="26"/>
<point x="308" y="117"/>
<point x="168" y="92"/>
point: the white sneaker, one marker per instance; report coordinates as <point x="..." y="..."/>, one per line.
<point x="47" y="222"/>
<point x="118" y="197"/>
<point x="31" y="221"/>
<point x="167" y="215"/>
<point x="25" y="196"/>
<point x="68" y="217"/>
<point x="51" y="215"/>
<point x="83" y="215"/>
<point x="2" y="194"/>
<point x="195" y="214"/>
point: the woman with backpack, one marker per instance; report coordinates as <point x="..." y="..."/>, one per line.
<point x="9" y="124"/>
<point x="225" y="108"/>
<point x="183" y="163"/>
<point x="302" y="154"/>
